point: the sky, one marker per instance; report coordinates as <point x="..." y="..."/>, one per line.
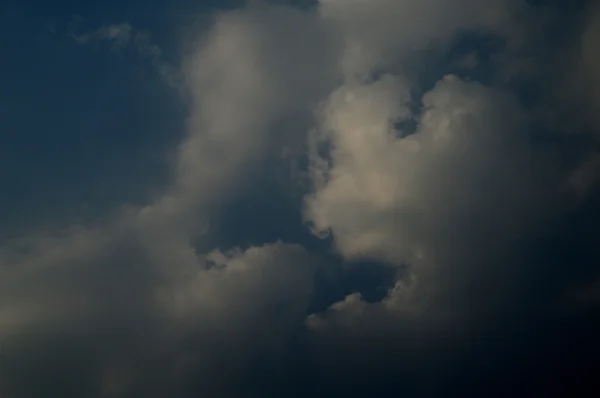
<point x="328" y="198"/>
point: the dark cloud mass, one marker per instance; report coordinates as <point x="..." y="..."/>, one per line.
<point x="384" y="198"/>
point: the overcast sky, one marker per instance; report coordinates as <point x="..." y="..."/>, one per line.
<point x="328" y="198"/>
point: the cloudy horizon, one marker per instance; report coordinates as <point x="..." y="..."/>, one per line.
<point x="329" y="198"/>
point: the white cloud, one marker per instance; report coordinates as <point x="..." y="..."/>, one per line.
<point x="246" y="76"/>
<point x="444" y="201"/>
<point x="395" y="188"/>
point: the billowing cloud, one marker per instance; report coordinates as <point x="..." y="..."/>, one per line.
<point x="484" y="215"/>
<point x="128" y="312"/>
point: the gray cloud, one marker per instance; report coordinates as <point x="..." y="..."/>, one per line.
<point x="380" y="33"/>
<point x="486" y="218"/>
<point x="134" y="293"/>
<point x="590" y="60"/>
<point x="132" y="314"/>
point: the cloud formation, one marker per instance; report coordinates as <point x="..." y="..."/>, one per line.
<point x="484" y="214"/>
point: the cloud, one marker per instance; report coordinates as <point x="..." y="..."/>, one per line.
<point x="134" y="294"/>
<point x="382" y="32"/>
<point x="132" y="314"/>
<point x="578" y="94"/>
<point x="119" y="34"/>
<point x="123" y="35"/>
<point x="466" y="164"/>
<point x="152" y="354"/>
<point x="443" y="198"/>
<point x="572" y="82"/>
<point x="589" y="57"/>
<point x="466" y="201"/>
<point x="486" y="218"/>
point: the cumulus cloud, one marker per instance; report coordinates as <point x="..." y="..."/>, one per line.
<point x="486" y="218"/>
<point x="464" y="175"/>
<point x="463" y="200"/>
<point x="450" y="192"/>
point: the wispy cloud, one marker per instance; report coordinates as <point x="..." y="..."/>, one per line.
<point x="122" y="36"/>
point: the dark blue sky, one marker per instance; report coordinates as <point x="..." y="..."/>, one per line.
<point x="83" y="127"/>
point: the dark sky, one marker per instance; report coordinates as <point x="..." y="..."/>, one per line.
<point x="334" y="198"/>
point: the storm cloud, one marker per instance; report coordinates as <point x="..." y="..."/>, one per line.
<point x="370" y="198"/>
